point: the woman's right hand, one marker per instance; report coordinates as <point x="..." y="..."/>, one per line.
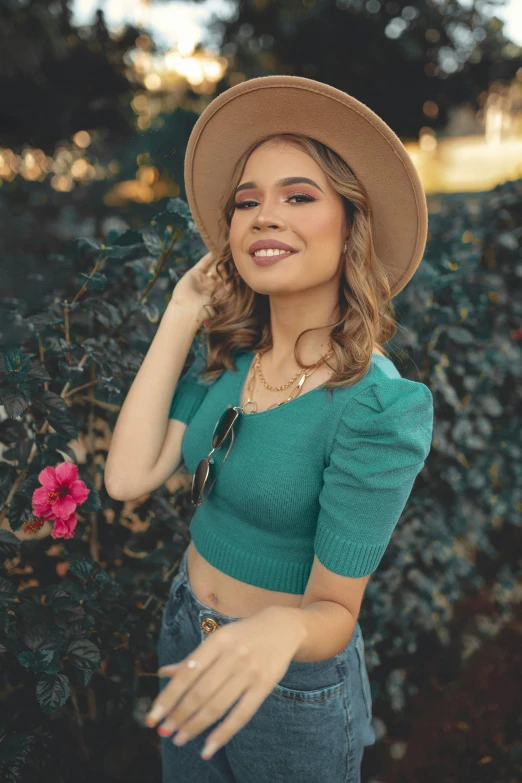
<point x="195" y="289"/>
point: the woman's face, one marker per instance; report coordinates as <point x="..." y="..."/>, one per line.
<point x="308" y="217"/>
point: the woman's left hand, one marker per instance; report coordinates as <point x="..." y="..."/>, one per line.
<point x="241" y="660"/>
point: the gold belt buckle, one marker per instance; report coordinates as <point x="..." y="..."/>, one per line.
<point x="209" y="625"/>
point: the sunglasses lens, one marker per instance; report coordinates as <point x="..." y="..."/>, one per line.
<point x="221" y="431"/>
<point x="199" y="480"/>
<point x="223" y="427"/>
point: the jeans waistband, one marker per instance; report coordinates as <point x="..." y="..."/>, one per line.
<point x="198" y="609"/>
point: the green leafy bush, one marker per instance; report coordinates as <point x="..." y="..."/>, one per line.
<point x="79" y="618"/>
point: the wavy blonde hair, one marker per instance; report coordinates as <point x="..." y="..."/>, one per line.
<point x="241" y="316"/>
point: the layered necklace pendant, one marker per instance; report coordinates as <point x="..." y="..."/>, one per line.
<point x="293" y="394"/>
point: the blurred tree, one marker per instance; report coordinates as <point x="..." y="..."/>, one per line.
<point x="409" y="62"/>
<point x="56" y="79"/>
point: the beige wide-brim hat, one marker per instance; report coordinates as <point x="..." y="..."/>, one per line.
<point x="260" y="107"/>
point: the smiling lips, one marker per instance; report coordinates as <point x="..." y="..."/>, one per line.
<point x="269" y="250"/>
<point x="269" y="257"/>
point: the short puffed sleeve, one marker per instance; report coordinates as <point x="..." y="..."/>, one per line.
<point x="381" y="444"/>
<point x="189" y="393"/>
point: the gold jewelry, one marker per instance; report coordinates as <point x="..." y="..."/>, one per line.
<point x="293" y="394"/>
<point x="274" y="388"/>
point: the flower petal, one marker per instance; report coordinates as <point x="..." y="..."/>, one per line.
<point x="64" y="528"/>
<point x="78" y="491"/>
<point x="46" y="513"/>
<point x="59" y="529"/>
<point x="47" y="477"/>
<point x="66" y="472"/>
<point x="71" y="528"/>
<point x="41" y="495"/>
<point x="64" y="507"/>
<point x="43" y="511"/>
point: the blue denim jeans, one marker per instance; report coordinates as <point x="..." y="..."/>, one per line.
<point x="311" y="728"/>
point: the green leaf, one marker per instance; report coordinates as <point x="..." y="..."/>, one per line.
<point x="35" y="636"/>
<point x="128" y="246"/>
<point x="93" y="502"/>
<point x="66" y="610"/>
<point x="54" y="641"/>
<point x="64" y="423"/>
<point x="8" y="543"/>
<point x="52" y="691"/>
<point x="152" y="243"/>
<point x="52" y="401"/>
<point x="96" y="281"/>
<point x="15" y="747"/>
<point x="4" y="471"/>
<point x="83" y="654"/>
<point x="46" y="661"/>
<point x="7" y="590"/>
<point x="173" y="219"/>
<point x="40" y="661"/>
<point x="461" y="335"/>
<point x="129" y="238"/>
<point x="81" y="567"/>
<point x="26" y="659"/>
<point x="84" y="675"/>
<point x="28" y="486"/>
<point x="16" y="362"/>
<point x="84" y="251"/>
<point x="38" y="372"/>
<point x="103" y="577"/>
<point x="14" y="400"/>
<point x="57" y="441"/>
<point x="178" y="206"/>
<point x="104" y="312"/>
<point x="20" y="510"/>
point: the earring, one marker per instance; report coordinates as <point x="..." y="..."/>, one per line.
<point x="345" y="247"/>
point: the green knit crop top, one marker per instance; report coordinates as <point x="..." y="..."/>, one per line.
<point x="328" y="473"/>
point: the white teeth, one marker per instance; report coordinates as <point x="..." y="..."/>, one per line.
<point x="271" y="252"/>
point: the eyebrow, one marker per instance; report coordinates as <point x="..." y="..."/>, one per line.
<point x="281" y="183"/>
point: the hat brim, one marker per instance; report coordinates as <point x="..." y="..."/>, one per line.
<point x="254" y="109"/>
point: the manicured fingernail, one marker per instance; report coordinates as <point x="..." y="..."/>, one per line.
<point x="209" y="750"/>
<point x="180" y="738"/>
<point x="163" y="731"/>
<point x="154" y="715"/>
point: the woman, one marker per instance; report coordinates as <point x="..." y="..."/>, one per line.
<point x="315" y="218"/>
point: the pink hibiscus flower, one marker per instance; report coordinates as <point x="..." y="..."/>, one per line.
<point x="64" y="528"/>
<point x="60" y="494"/>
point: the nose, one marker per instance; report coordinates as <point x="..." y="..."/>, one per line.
<point x="266" y="217"/>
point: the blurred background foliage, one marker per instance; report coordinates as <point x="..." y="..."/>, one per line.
<point x="94" y="233"/>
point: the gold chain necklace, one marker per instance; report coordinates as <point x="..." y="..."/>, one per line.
<point x="293" y="394"/>
<point x="257" y="365"/>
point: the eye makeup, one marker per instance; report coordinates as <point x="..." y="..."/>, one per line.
<point x="308" y="199"/>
